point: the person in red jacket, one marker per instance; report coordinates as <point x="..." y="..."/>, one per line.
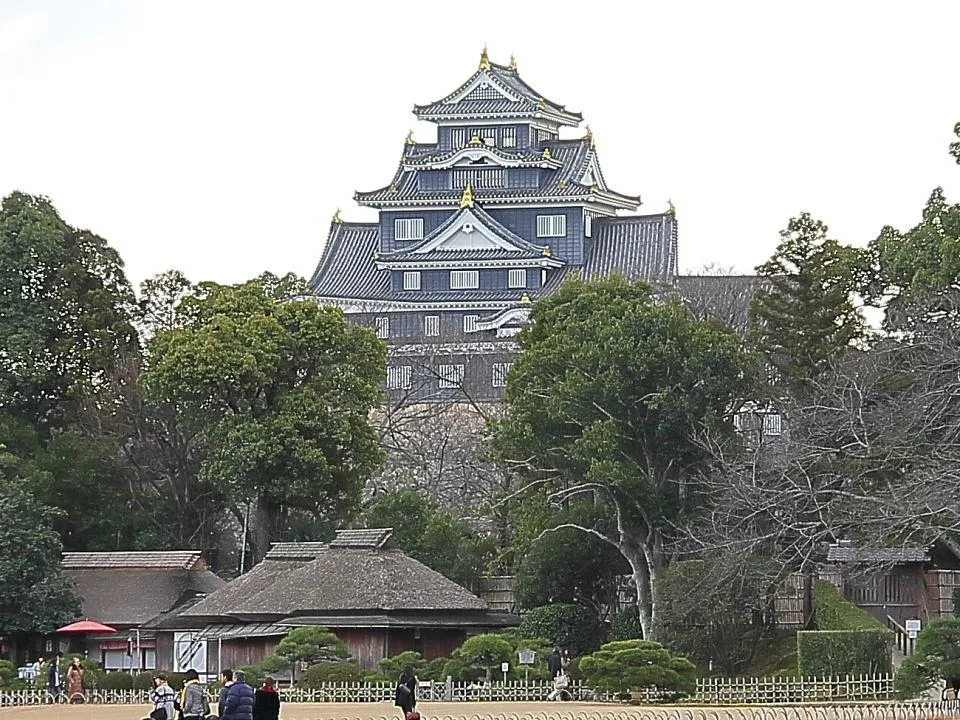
<point x="266" y="701"/>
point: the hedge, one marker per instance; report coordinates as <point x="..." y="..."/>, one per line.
<point x="833" y="612"/>
<point x="843" y="652"/>
<point x="848" y="641"/>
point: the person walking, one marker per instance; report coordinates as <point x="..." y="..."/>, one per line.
<point x="406" y="693"/>
<point x="191" y="703"/>
<point x="239" y="702"/>
<point x="557" y="668"/>
<point x="75" y="681"/>
<point x="163" y="698"/>
<point x="53" y="678"/>
<point x="266" y="701"/>
<point x="226" y="679"/>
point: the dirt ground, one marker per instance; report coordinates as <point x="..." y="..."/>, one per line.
<point x="326" y="711"/>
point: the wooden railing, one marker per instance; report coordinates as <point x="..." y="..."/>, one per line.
<point x="905" y="643"/>
<point x="710" y="691"/>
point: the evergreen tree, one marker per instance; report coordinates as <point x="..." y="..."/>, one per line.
<point x="803" y="316"/>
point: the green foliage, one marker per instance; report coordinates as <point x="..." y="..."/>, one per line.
<point x="144" y="681"/>
<point x="392" y="666"/>
<point x="37" y="598"/>
<point x="833" y="612"/>
<point x="278" y="394"/>
<point x="956" y="602"/>
<point x="625" y="624"/>
<point x="565" y="566"/>
<point x="311" y="645"/>
<point x="116" y="681"/>
<point x="619" y="666"/>
<point x="843" y="652"/>
<point x="65" y="312"/>
<point x="936" y="656"/>
<point x="718" y="610"/>
<point x="484" y="651"/>
<point x="8" y="673"/>
<point x="612" y="393"/>
<point x="431" y="534"/>
<point x="569" y="626"/>
<point x="803" y="316"/>
<point x="328" y="672"/>
<point x="434" y="669"/>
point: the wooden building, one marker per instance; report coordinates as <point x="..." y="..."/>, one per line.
<point x="376" y="599"/>
<point x="129" y="591"/>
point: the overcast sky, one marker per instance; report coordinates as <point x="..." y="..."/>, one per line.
<point x="219" y="137"/>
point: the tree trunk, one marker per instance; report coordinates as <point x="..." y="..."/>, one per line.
<point x="265" y="521"/>
<point x="647" y="563"/>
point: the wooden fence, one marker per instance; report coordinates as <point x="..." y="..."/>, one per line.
<point x="710" y="691"/>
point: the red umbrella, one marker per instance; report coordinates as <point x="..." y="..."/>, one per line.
<point x="86" y="626"/>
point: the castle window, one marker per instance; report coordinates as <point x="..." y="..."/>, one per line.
<point x="431" y="326"/>
<point x="500" y="372"/>
<point x="470" y="323"/>
<point x="587" y="225"/>
<point x="398" y="378"/>
<point x="464" y="279"/>
<point x="458" y="138"/>
<point x="517" y="278"/>
<point x="408" y="228"/>
<point x="383" y="327"/>
<point x="411" y="280"/>
<point x="509" y="137"/>
<point x="551" y="225"/>
<point x="451" y="376"/>
<point x="487" y="178"/>
<point x="772" y="424"/>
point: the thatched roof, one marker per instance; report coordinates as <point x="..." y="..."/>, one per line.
<point x="128" y="589"/>
<point x="340" y="578"/>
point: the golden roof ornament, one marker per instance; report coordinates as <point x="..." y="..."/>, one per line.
<point x="589" y="136"/>
<point x="546" y="251"/>
<point x="671" y="210"/>
<point x="336" y="218"/>
<point x="546" y="154"/>
<point x="594" y="188"/>
<point x="484" y="60"/>
<point x="513" y="62"/>
<point x="393" y="189"/>
<point x="540" y="104"/>
<point x="376" y="255"/>
<point x="475" y="140"/>
<point x="409" y="140"/>
<point x="525" y="299"/>
<point x="561" y="184"/>
<point x="466" y="200"/>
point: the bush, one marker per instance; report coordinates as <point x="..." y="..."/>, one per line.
<point x="569" y="626"/>
<point x="311" y="645"/>
<point x="434" y="669"/>
<point x="625" y="624"/>
<point x="485" y="651"/>
<point x="849" y="641"/>
<point x="937" y="655"/>
<point x="328" y="672"/>
<point x="116" y="681"/>
<point x="844" y="652"/>
<point x="8" y="673"/>
<point x="620" y="666"/>
<point x="391" y="667"/>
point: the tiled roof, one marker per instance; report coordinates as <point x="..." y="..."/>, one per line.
<point x="880" y="556"/>
<point x="257" y="580"/>
<point x="719" y="297"/>
<point x="346" y="269"/>
<point x="639" y="247"/>
<point x="521" y="248"/>
<point x="170" y="560"/>
<point x="529" y="102"/>
<point x="125" y="596"/>
<point x="362" y="538"/>
<point x="295" y="550"/>
<point x="243" y="630"/>
<point x="574" y="156"/>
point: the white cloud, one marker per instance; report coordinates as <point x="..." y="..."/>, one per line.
<point x="19" y="33"/>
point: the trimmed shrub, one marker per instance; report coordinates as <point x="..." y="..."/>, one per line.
<point x="620" y="666"/>
<point x="569" y="626"/>
<point x="485" y="651"/>
<point x="391" y="667"/>
<point x="844" y="652"/>
<point x="833" y="612"/>
<point x="328" y="672"/>
<point x="116" y="681"/>
<point x="937" y="655"/>
<point x="143" y="681"/>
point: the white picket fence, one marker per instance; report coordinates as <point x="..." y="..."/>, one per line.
<point x="710" y="691"/>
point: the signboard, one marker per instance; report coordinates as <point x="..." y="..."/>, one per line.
<point x="505" y="667"/>
<point x="912" y="625"/>
<point x="189" y="651"/>
<point x="527" y="657"/>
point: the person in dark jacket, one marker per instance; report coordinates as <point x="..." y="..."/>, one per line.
<point x="406" y="698"/>
<point x="266" y="701"/>
<point x="555" y="663"/>
<point x="226" y="679"/>
<point x="239" y="702"/>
